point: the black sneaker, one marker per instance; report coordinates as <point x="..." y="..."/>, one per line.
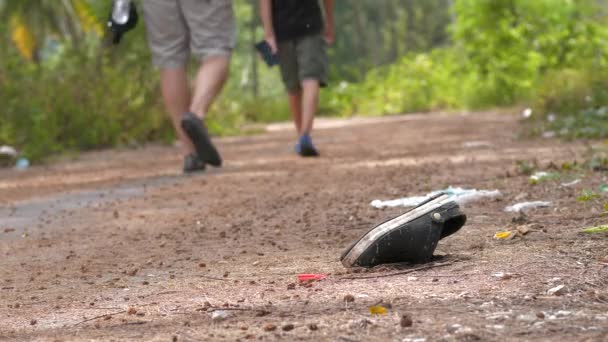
<point x="306" y="148"/>
<point x="196" y="130"/>
<point x="192" y="163"/>
<point x="410" y="237"/>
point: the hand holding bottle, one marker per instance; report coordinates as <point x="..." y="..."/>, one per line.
<point x="123" y="19"/>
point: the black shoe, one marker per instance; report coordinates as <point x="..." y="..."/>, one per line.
<point x="305" y="147"/>
<point x="197" y="132"/>
<point x="411" y="237"/>
<point x="192" y="163"/>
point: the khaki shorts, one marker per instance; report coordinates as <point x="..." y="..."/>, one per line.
<point x="178" y="28"/>
<point x="303" y="59"/>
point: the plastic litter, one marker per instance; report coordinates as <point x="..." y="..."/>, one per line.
<point x="598" y="229"/>
<point x="460" y="195"/>
<point x="377" y="310"/>
<point x="557" y="291"/>
<point x="502" y="275"/>
<point x="311" y="277"/>
<point x="414" y="339"/>
<point x="523" y="206"/>
<point x="22" y="164"/>
<point x="569" y="184"/>
<point x="603" y="188"/>
<point x="541" y="176"/>
<point x="220" y="315"/>
<point x="459" y="329"/>
<point x="527" y="113"/>
<point x="476" y="144"/>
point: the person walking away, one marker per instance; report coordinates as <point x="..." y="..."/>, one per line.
<point x="298" y="32"/>
<point x="177" y="29"/>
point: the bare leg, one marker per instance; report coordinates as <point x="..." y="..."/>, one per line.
<point x="176" y="94"/>
<point x="310" y="103"/>
<point x="295" y="105"/>
<point x="210" y="80"/>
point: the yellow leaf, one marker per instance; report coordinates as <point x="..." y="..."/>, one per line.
<point x="88" y="21"/>
<point x="377" y="310"/>
<point x="23" y="37"/>
<point x="502" y="235"/>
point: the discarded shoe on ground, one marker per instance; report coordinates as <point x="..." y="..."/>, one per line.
<point x="410" y="237"/>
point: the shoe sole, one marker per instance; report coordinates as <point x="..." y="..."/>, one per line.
<point x="204" y="148"/>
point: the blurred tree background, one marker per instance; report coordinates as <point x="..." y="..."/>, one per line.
<point x="63" y="89"/>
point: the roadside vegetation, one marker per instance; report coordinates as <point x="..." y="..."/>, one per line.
<point x="63" y="89"/>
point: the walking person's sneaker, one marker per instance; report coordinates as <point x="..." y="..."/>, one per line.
<point x="192" y="163"/>
<point x="305" y="147"/>
<point x="197" y="132"/>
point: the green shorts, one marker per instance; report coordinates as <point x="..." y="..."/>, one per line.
<point x="178" y="28"/>
<point x="303" y="59"/>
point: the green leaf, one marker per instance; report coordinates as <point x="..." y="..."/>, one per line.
<point x="587" y="195"/>
<point x="598" y="229"/>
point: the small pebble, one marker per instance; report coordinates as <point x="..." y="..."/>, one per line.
<point x="270" y="327"/>
<point x="406" y="321"/>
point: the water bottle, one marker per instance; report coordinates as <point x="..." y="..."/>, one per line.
<point x="122" y="19"/>
<point x="121" y="11"/>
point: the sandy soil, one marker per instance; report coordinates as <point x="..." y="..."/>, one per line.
<point x="118" y="245"/>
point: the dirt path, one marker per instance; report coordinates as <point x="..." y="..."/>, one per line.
<point x="119" y="246"/>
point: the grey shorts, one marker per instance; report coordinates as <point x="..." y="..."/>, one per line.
<point x="178" y="28"/>
<point x="303" y="59"/>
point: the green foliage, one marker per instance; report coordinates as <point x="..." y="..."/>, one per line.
<point x="418" y="82"/>
<point x="525" y="167"/>
<point x="574" y="103"/>
<point x="372" y="33"/>
<point x="79" y="101"/>
<point x="504" y="53"/>
<point x="587" y="195"/>
<point x="392" y="57"/>
<point x="510" y="44"/>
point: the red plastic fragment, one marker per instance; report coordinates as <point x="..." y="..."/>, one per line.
<point x="309" y="277"/>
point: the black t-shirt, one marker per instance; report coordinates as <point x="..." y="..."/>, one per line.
<point x="294" y="19"/>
